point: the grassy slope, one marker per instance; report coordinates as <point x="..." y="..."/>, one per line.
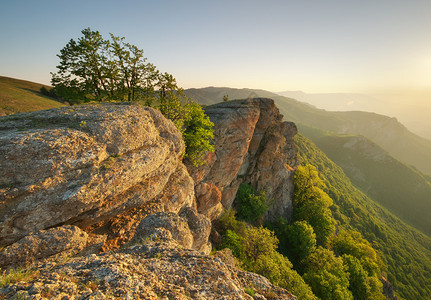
<point x="405" y="251"/>
<point x="22" y="96"/>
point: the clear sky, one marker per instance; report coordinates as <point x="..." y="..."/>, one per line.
<point x="310" y="45"/>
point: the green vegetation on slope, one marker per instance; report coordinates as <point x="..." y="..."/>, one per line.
<point x="336" y="265"/>
<point x="22" y="96"/>
<point x="398" y="187"/>
<point x="405" y="251"/>
<point x="255" y="250"/>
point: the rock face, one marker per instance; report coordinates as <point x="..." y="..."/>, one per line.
<point x="252" y="145"/>
<point x="154" y="270"/>
<point x="87" y="165"/>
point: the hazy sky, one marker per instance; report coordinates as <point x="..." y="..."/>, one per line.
<point x="310" y="45"/>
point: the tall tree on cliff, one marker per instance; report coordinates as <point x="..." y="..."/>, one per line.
<point x="94" y="69"/>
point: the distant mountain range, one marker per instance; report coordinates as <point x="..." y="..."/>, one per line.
<point x="338" y="101"/>
<point x="410" y="113"/>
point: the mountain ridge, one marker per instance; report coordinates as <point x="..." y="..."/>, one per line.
<point x="413" y="115"/>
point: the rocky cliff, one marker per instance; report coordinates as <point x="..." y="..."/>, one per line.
<point x="254" y="145"/>
<point x="79" y="181"/>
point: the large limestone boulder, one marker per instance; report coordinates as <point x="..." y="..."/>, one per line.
<point x="84" y="164"/>
<point x="254" y="145"/>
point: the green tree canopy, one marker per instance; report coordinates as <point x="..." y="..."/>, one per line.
<point x="301" y="240"/>
<point x="362" y="286"/>
<point x="312" y="204"/>
<point x="250" y="204"/>
<point x="327" y="276"/>
<point x="255" y="248"/>
<point x="96" y="69"/>
<point x="93" y="68"/>
<point x="352" y="243"/>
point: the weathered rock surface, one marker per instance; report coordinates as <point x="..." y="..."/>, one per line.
<point x="154" y="270"/>
<point x="87" y="164"/>
<point x="67" y="240"/>
<point x="200" y="228"/>
<point x="252" y="145"/>
<point x="189" y="229"/>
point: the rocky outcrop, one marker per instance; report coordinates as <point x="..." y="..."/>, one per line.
<point x="97" y="167"/>
<point x="67" y="240"/>
<point x="254" y="145"/>
<point x="83" y="180"/>
<point x="158" y="269"/>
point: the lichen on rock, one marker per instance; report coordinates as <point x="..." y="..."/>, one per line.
<point x="152" y="270"/>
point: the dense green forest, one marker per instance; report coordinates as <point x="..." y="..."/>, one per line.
<point x="405" y="251"/>
<point x="310" y="256"/>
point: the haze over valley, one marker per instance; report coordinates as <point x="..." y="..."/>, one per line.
<point x="411" y="109"/>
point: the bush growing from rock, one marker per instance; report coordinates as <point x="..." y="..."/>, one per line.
<point x="250" y="205"/>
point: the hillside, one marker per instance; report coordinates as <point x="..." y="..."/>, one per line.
<point x="338" y="101"/>
<point x="411" y="113"/>
<point x="402" y="189"/>
<point x="405" y="251"/>
<point x="386" y="132"/>
<point x="22" y="96"/>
